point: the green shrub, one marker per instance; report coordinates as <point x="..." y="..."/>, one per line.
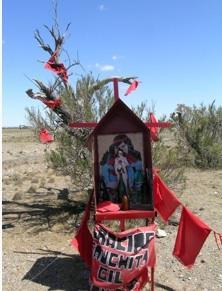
<point x="199" y="135"/>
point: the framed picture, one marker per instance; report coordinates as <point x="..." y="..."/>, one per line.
<point x="122" y="169"/>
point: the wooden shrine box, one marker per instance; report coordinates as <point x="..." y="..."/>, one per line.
<point x="121" y="148"/>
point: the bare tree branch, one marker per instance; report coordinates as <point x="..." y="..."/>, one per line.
<point x="100" y="84"/>
<point x="45" y="47"/>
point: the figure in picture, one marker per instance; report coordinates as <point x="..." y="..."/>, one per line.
<point x="121" y="171"/>
<point x="120" y="166"/>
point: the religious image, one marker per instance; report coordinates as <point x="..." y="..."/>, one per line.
<point x="121" y="169"/>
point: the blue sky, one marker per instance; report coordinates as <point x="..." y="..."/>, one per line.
<point x="174" y="47"/>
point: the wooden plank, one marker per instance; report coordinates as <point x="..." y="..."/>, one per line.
<point x="128" y="214"/>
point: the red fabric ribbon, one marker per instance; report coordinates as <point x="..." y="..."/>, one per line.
<point x="45" y="136"/>
<point x="53" y="104"/>
<point x="58" y="68"/>
<point x="132" y="87"/>
<point x="191" y="235"/>
<point x="165" y="201"/>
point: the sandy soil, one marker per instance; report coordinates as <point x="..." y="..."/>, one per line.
<point x="36" y="225"/>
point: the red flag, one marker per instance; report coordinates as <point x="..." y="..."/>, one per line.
<point x="191" y="235"/>
<point x="132" y="87"/>
<point x="165" y="201"/>
<point x="57" y="68"/>
<point x="45" y="136"/>
<point x="153" y="130"/>
<point x="53" y="104"/>
<point x="83" y="241"/>
<point x="120" y="259"/>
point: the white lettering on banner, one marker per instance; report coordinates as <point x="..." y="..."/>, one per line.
<point x="115" y="254"/>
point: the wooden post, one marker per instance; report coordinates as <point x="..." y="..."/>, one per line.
<point x="152" y="280"/>
<point x="116" y="89"/>
<point x="122" y="224"/>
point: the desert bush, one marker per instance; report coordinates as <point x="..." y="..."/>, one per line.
<point x="199" y="135"/>
<point x="88" y="100"/>
<point x="169" y="160"/>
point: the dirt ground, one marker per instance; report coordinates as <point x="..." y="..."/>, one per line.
<point x="37" y="220"/>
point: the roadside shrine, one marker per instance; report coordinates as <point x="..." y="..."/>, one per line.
<point x="126" y="186"/>
<point x="123" y="189"/>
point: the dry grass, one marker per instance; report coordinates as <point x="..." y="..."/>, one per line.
<point x="31" y="205"/>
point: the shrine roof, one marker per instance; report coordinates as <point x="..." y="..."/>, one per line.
<point x="119" y="119"/>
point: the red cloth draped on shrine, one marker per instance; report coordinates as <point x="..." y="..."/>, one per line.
<point x="107" y="206"/>
<point x="120" y="259"/>
<point x="132" y="87"/>
<point x="191" y="235"/>
<point x="83" y="241"/>
<point x="153" y="130"/>
<point x="45" y="136"/>
<point x="165" y="201"/>
<point x="58" y="68"/>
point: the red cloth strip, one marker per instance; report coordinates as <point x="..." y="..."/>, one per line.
<point x="53" y="104"/>
<point x="132" y="87"/>
<point x="45" y="136"/>
<point x="191" y="235"/>
<point x="165" y="200"/>
<point x="57" y="68"/>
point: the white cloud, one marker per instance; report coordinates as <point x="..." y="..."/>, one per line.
<point x="116" y="57"/>
<point x="107" y="68"/>
<point x="104" y="67"/>
<point x="102" y="7"/>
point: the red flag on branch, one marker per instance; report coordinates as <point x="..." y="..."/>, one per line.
<point x="132" y="87"/>
<point x="58" y="68"/>
<point x="165" y="201"/>
<point x="153" y="130"/>
<point x="53" y="104"/>
<point x="45" y="136"/>
<point x="191" y="235"/>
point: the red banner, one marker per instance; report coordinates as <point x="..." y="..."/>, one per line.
<point x="120" y="260"/>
